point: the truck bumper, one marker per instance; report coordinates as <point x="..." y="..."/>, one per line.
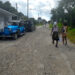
<point x="6" y="36"/>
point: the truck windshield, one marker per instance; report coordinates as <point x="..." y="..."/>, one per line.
<point x="14" y="23"/>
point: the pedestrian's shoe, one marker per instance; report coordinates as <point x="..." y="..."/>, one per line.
<point x="53" y="42"/>
<point x="56" y="46"/>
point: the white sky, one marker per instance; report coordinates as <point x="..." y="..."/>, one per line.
<point x="41" y="7"/>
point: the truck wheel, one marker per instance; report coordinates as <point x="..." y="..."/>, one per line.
<point x="15" y="36"/>
<point x="31" y="30"/>
<point x="24" y="32"/>
<point x="18" y="33"/>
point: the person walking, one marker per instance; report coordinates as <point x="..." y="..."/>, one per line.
<point x="55" y="36"/>
<point x="64" y="33"/>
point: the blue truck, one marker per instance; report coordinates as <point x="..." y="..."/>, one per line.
<point x="14" y="30"/>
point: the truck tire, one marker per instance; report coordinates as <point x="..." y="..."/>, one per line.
<point x="15" y="36"/>
<point x="18" y="33"/>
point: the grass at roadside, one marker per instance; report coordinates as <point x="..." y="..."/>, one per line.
<point x="39" y="24"/>
<point x="59" y="25"/>
<point x="71" y="35"/>
<point x="50" y="26"/>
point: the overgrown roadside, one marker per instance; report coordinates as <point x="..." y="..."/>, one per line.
<point x="71" y="32"/>
<point x="71" y="35"/>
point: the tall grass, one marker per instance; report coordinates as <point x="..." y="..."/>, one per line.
<point x="59" y="25"/>
<point x="39" y="24"/>
<point x="71" y="35"/>
<point x="50" y="26"/>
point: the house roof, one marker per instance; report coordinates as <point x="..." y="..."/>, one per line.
<point x="17" y="21"/>
<point x="2" y="11"/>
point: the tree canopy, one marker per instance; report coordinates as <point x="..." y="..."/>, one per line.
<point x="65" y="12"/>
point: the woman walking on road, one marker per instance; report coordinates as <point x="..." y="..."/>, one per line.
<point x="64" y="33"/>
<point x="55" y="36"/>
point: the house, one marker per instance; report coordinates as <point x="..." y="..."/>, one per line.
<point x="5" y="18"/>
<point x="39" y="19"/>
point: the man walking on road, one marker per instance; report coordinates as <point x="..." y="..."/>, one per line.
<point x="55" y="36"/>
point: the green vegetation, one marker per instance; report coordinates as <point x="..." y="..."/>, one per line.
<point x="50" y="25"/>
<point x="65" y="12"/>
<point x="71" y="35"/>
<point x="39" y="24"/>
<point x="59" y="24"/>
<point x="71" y="32"/>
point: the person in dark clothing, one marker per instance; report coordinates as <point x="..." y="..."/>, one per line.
<point x="55" y="36"/>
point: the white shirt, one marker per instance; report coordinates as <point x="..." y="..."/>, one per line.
<point x="55" y="29"/>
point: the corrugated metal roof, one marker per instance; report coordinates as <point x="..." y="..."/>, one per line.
<point x="2" y="11"/>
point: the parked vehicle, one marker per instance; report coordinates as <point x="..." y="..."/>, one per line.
<point x="14" y="30"/>
<point x="29" y="25"/>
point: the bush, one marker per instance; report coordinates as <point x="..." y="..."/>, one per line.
<point x="50" y="25"/>
<point x="39" y="24"/>
<point x="59" y="24"/>
<point x="71" y="35"/>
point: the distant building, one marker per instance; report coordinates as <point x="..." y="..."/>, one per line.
<point x="39" y="19"/>
<point x="5" y="18"/>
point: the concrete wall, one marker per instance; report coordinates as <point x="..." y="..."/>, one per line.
<point x="4" y="20"/>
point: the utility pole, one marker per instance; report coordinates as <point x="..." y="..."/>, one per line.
<point x="17" y="10"/>
<point x="16" y="7"/>
<point x="38" y="14"/>
<point x="27" y="8"/>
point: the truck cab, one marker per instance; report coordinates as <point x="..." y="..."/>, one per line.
<point x="14" y="29"/>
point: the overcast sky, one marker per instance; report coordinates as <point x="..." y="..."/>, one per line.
<point x="41" y="7"/>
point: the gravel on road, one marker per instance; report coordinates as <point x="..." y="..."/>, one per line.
<point x="34" y="54"/>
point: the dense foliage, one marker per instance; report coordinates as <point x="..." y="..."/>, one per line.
<point x="65" y="12"/>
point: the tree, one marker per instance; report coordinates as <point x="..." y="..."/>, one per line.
<point x="65" y="11"/>
<point x="1" y="4"/>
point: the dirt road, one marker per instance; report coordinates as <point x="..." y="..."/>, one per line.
<point x="34" y="54"/>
